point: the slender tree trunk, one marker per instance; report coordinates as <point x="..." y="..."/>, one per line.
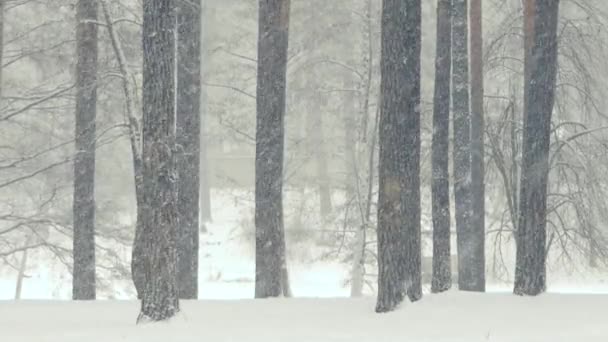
<point x="137" y="254"/>
<point x="160" y="298"/>
<point x="399" y="172"/>
<point x="530" y="270"/>
<point x="83" y="281"/>
<point x="442" y="271"/>
<point x="188" y="127"/>
<point x="477" y="149"/>
<point x="271" y="271"/>
<point x="22" y="269"/>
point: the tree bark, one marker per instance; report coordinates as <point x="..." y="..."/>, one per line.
<point x="530" y="270"/>
<point x="442" y="271"/>
<point x="399" y="171"/>
<point x="466" y="242"/>
<point x="477" y="148"/>
<point x="188" y="127"/>
<point x="271" y="272"/>
<point x="160" y="298"/>
<point x="83" y="281"/>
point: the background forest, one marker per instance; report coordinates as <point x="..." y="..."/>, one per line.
<point x="331" y="149"/>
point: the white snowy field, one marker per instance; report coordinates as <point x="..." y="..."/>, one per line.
<point x="456" y="317"/>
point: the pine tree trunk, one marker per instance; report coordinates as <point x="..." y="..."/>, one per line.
<point x="465" y="234"/>
<point x="271" y="272"/>
<point x="477" y="149"/>
<point x="188" y="127"/>
<point x="160" y="298"/>
<point x="399" y="171"/>
<point x="530" y="270"/>
<point x="442" y="272"/>
<point x="83" y="281"/>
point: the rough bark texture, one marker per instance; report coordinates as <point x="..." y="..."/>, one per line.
<point x="83" y="281"/>
<point x="271" y="272"/>
<point x="399" y="172"/>
<point x="442" y="272"/>
<point x="530" y="270"/>
<point x="468" y="260"/>
<point x="477" y="149"/>
<point x="188" y="127"/>
<point x="160" y="298"/>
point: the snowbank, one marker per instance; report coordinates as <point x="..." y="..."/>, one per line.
<point x="455" y="317"/>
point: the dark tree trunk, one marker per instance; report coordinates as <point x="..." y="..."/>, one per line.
<point x="160" y="299"/>
<point x="83" y="281"/>
<point x="468" y="261"/>
<point x="442" y="271"/>
<point x="477" y="149"/>
<point x="271" y="271"/>
<point x="399" y="172"/>
<point x="530" y="270"/>
<point x="188" y="129"/>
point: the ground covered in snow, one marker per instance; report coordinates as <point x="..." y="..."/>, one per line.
<point x="456" y="317"/>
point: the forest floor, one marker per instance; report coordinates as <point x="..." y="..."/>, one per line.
<point x="454" y="316"/>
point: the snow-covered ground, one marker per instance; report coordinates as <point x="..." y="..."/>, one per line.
<point x="455" y="317"/>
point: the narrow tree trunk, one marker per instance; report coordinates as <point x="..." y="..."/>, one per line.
<point x="160" y="299"/>
<point x="22" y="269"/>
<point x="442" y="272"/>
<point x="83" y="282"/>
<point x="530" y="270"/>
<point x="467" y="260"/>
<point x="137" y="254"/>
<point x="477" y="149"/>
<point x="399" y="171"/>
<point x="271" y="271"/>
<point x="188" y="127"/>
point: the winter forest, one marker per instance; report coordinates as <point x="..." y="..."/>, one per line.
<point x="303" y="170"/>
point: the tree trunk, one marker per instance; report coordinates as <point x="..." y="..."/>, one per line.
<point x="271" y="271"/>
<point x="160" y="299"/>
<point x="137" y="253"/>
<point x="465" y="234"/>
<point x="399" y="171"/>
<point x="83" y="281"/>
<point x="530" y="270"/>
<point x="477" y="148"/>
<point x="442" y="272"/>
<point x="188" y="129"/>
